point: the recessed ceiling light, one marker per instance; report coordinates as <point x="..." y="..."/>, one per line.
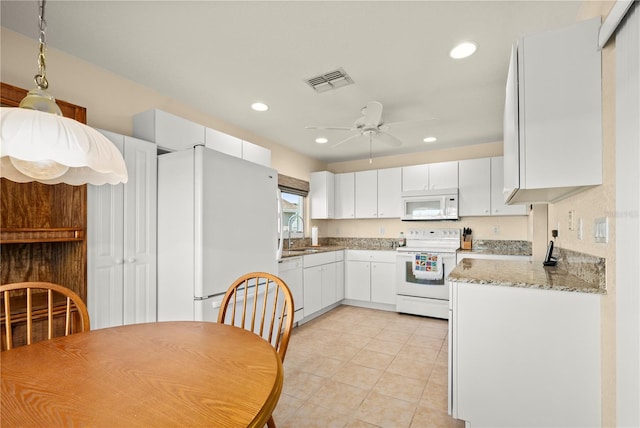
<point x="463" y="50"/>
<point x="321" y="140"/>
<point x="430" y="139"/>
<point x="259" y="106"/>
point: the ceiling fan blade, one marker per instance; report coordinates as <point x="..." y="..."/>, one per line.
<point x="337" y="128"/>
<point x="388" y="139"/>
<point x="406" y="122"/>
<point x="372" y="113"/>
<point x="353" y="137"/>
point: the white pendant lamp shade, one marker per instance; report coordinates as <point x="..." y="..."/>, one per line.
<point x="51" y="149"/>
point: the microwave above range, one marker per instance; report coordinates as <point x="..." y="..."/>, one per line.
<point x="441" y="204"/>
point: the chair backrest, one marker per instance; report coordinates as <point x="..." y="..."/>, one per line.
<point x="25" y="304"/>
<point x="262" y="303"/>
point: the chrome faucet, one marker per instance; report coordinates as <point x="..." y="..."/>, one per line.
<point x="289" y="226"/>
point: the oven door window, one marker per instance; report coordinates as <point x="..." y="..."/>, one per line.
<point x="411" y="278"/>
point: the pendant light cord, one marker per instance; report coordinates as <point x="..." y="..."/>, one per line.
<point x="41" y="77"/>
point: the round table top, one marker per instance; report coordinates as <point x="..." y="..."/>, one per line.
<point x="154" y="374"/>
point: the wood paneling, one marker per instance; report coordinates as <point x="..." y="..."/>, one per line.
<point x="43" y="227"/>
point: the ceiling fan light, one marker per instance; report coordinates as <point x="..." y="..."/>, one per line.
<point x="59" y="149"/>
<point x="37" y="143"/>
<point x="430" y="139"/>
<point x="463" y="50"/>
<point x="322" y="140"/>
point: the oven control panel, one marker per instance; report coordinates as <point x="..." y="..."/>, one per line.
<point x="434" y="234"/>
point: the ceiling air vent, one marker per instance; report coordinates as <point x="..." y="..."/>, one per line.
<point x="331" y="80"/>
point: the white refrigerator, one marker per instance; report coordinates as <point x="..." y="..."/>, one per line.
<point x="217" y="220"/>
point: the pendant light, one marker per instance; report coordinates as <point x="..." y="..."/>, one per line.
<point x="38" y="144"/>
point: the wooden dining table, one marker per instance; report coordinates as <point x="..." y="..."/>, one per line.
<point x="183" y="374"/>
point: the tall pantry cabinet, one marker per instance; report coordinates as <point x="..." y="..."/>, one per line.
<point x="121" y="228"/>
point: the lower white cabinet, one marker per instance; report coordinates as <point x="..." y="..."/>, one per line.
<point x="121" y="240"/>
<point x="371" y="276"/>
<point x="290" y="271"/>
<point x="524" y="357"/>
<point x="323" y="279"/>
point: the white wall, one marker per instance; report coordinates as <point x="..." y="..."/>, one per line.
<point x="111" y="100"/>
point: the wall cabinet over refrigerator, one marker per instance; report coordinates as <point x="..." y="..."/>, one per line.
<point x="553" y="115"/>
<point x="121" y="240"/>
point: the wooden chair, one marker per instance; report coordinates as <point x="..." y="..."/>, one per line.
<point x="35" y="302"/>
<point x="272" y="318"/>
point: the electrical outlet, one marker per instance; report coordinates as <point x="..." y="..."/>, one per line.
<point x="496" y="230"/>
<point x="382" y="231"/>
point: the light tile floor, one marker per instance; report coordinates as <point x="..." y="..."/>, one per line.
<point x="356" y="367"/>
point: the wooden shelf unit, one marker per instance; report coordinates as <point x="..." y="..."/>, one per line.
<point x="43" y="227"/>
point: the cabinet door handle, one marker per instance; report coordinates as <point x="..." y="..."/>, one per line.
<point x="131" y="260"/>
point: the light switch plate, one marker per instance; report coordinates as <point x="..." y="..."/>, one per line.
<point x="572" y="215"/>
<point x="601" y="230"/>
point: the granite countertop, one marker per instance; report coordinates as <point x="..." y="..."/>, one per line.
<point x="495" y="252"/>
<point x="523" y="274"/>
<point x="304" y="251"/>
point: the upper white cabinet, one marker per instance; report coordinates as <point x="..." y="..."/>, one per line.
<point x="415" y="177"/>
<point x="498" y="207"/>
<point x="345" y="195"/>
<point x="433" y="176"/>
<point x="222" y="142"/>
<point x="367" y="194"/>
<point x="121" y="240"/>
<point x="389" y="190"/>
<point x="480" y="191"/>
<point x="256" y="154"/>
<point x="321" y="194"/>
<point x="553" y="115"/>
<point x="167" y="130"/>
<point x="174" y="133"/>
<point x="474" y="194"/>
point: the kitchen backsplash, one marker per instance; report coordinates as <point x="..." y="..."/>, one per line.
<point x="505" y="247"/>
<point x="585" y="266"/>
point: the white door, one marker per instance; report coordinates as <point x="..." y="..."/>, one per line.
<point x="358" y="285"/>
<point x="367" y="194"/>
<point x="383" y="282"/>
<point x="140" y="201"/>
<point x="443" y="175"/>
<point x="105" y="254"/>
<point x="121" y="241"/>
<point x="389" y="190"/>
<point x="474" y="191"/>
<point x="344" y="195"/>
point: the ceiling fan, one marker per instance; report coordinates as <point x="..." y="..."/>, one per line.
<point x="370" y="125"/>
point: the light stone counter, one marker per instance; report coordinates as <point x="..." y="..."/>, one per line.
<point x="520" y="274"/>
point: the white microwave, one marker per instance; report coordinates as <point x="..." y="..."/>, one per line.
<point x="439" y="204"/>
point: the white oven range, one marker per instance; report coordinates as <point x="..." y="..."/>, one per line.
<point x="424" y="290"/>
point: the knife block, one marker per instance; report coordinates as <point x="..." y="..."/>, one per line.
<point x="466" y="245"/>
